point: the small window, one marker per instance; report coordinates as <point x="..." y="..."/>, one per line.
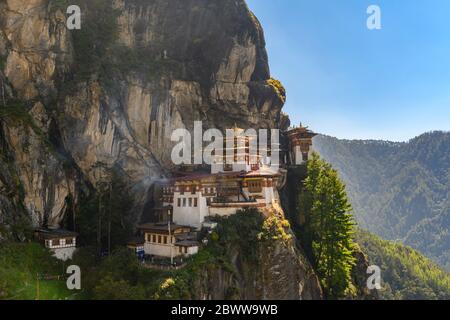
<point x="69" y="241"/>
<point x="56" y="242"/>
<point x="153" y="238"/>
<point x="195" y="202"/>
<point x="179" y="202"/>
<point x="305" y="156"/>
<point x="184" y="202"/>
<point x="165" y="239"/>
<point x="190" y="202"/>
<point x="159" y="239"/>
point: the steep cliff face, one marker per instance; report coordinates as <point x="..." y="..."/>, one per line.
<point x="289" y="198"/>
<point x="110" y="94"/>
<point x="279" y="272"/>
<point x="34" y="48"/>
<point x="248" y="257"/>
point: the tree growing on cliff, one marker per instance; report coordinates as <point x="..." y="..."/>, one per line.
<point x="328" y="227"/>
<point x="106" y="218"/>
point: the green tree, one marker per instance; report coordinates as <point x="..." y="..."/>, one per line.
<point x="406" y="274"/>
<point x="117" y="289"/>
<point x="328" y="227"/>
<point x="106" y="218"/>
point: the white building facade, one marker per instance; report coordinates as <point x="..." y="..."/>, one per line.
<point x="62" y="243"/>
<point x="168" y="241"/>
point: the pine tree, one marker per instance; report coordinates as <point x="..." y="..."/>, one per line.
<point x="328" y="227"/>
<point x="106" y="218"/>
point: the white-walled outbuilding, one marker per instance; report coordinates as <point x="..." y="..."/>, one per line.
<point x="62" y="243"/>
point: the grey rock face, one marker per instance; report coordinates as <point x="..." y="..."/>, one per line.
<point x="217" y="72"/>
<point x="279" y="273"/>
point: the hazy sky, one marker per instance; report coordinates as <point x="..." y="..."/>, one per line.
<point x="347" y="81"/>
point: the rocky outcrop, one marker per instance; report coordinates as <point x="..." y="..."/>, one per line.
<point x="279" y="273"/>
<point x="34" y="49"/>
<point x="255" y="260"/>
<point x="360" y="276"/>
<point x="169" y="63"/>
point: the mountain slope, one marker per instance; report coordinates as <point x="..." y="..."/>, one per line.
<point x="405" y="273"/>
<point x="400" y="191"/>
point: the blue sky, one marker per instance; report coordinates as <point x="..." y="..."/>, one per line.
<point x="350" y="82"/>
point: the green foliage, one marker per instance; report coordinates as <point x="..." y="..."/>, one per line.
<point x="93" y="43"/>
<point x="328" y="227"/>
<point x="174" y="289"/>
<point x="106" y="215"/>
<point x="279" y="89"/>
<point x="117" y="289"/>
<point x="242" y="231"/>
<point x="405" y="273"/>
<point x="56" y="5"/>
<point x="21" y="264"/>
<point x="274" y="228"/>
<point x="119" y="276"/>
<point x="98" y="55"/>
<point x="214" y="236"/>
<point x="2" y="63"/>
<point x="398" y="190"/>
<point x="15" y="111"/>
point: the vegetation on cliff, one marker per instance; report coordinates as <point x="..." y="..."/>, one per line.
<point x="94" y="43"/>
<point x="228" y="267"/>
<point x="104" y="218"/>
<point x="278" y="87"/>
<point x="328" y="227"/>
<point x="405" y="273"/>
<point x="237" y="249"/>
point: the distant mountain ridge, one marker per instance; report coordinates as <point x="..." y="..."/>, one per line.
<point x="399" y="190"/>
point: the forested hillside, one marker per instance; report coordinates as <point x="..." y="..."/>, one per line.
<point x="400" y="191"/>
<point x="405" y="273"/>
